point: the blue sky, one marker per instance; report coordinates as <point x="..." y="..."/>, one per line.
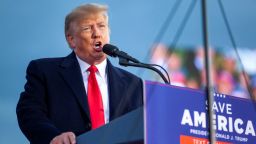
<point x="34" y="29"/>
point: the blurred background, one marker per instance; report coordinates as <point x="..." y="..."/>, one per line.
<point x="166" y="32"/>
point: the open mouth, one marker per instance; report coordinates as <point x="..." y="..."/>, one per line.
<point x="98" y="46"/>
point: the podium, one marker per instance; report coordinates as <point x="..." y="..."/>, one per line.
<point x="126" y="129"/>
<point x="179" y="115"/>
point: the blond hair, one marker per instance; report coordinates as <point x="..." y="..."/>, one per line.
<point x="84" y="11"/>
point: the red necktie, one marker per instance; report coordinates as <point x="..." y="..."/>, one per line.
<point x="95" y="99"/>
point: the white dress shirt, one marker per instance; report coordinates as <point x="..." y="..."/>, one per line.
<point x="101" y="77"/>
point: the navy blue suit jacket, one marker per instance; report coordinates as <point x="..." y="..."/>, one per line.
<point x="55" y="101"/>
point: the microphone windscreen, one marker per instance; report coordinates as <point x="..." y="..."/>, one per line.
<point x="110" y="49"/>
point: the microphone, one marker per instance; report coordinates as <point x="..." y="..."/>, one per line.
<point x="124" y="59"/>
<point x="113" y="51"/>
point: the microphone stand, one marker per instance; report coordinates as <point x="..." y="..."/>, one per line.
<point x="209" y="86"/>
<point x="125" y="62"/>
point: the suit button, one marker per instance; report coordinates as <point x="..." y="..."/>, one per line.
<point x="89" y="125"/>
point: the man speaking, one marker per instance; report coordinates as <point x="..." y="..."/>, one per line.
<point x="67" y="96"/>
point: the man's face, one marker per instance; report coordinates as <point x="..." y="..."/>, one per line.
<point x="88" y="37"/>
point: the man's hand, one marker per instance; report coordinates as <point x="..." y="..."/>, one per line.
<point x="64" y="138"/>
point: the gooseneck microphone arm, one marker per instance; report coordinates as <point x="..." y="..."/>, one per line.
<point x="124" y="59"/>
<point x="125" y="62"/>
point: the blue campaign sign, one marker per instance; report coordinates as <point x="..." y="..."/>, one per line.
<point x="179" y="115"/>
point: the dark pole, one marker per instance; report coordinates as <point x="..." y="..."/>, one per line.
<point x="209" y="85"/>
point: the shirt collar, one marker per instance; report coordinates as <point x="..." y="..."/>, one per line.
<point x="101" y="67"/>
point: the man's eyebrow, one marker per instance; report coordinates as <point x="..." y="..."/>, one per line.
<point x="85" y="25"/>
<point x="101" y="22"/>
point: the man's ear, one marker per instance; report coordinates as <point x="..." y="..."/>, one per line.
<point x="71" y="41"/>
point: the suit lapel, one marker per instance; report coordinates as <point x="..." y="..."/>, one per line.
<point x="116" y="91"/>
<point x="72" y="75"/>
